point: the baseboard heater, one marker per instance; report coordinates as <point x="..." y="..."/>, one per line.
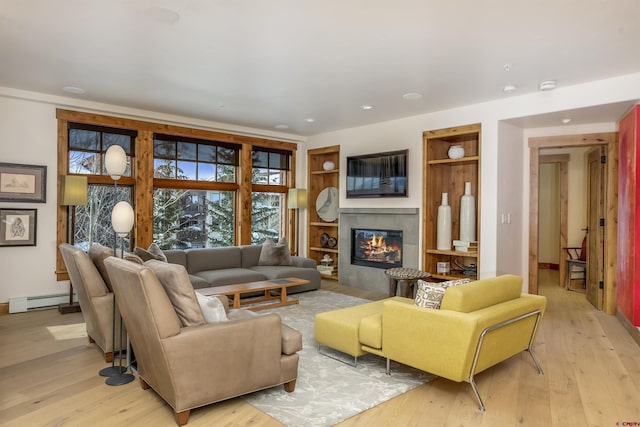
<point x="22" y="304"/>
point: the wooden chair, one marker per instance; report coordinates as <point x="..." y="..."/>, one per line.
<point x="577" y="266"/>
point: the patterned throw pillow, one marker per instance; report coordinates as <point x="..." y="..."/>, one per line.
<point x="429" y="295"/>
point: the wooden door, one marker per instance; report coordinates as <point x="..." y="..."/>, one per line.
<point x="595" y="226"/>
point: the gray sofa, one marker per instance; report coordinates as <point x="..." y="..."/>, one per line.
<point x="210" y="267"/>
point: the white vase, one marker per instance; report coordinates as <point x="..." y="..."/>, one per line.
<point x="456" y="152"/>
<point x="328" y="165"/>
<point x="444" y="224"/>
<point x="467" y="215"/>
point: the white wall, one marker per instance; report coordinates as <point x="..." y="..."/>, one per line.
<point x="28" y="135"/>
<point x="496" y="137"/>
<point x="509" y="215"/>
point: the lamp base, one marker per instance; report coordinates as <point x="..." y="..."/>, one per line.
<point x="120" y="379"/>
<point x="112" y="371"/>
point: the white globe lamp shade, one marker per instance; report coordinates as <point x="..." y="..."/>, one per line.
<point x="115" y="161"/>
<point x="122" y="218"/>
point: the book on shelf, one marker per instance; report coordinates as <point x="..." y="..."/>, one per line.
<point x="468" y="249"/>
<point x="464" y="243"/>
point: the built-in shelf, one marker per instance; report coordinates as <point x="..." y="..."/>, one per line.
<point x="318" y="180"/>
<point x="328" y="250"/>
<point x="323" y="172"/>
<point x="453" y="253"/>
<point x="445" y="175"/>
<point x="324" y="224"/>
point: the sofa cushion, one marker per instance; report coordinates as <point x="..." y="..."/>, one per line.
<point x="251" y="255"/>
<point x="153" y="252"/>
<point x="429" y="295"/>
<point x="207" y="259"/>
<point x="98" y="254"/>
<point x="176" y="256"/>
<point x="275" y="253"/>
<point x="370" y="332"/>
<point x="212" y="309"/>
<point x="229" y="276"/>
<point x="175" y="281"/>
<point x="482" y="293"/>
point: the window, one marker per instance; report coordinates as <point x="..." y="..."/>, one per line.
<point x="191" y="175"/>
<point x="86" y="151"/>
<point x="88" y="144"/>
<point x="185" y="215"/>
<point x="270" y="183"/>
<point x="192" y="159"/>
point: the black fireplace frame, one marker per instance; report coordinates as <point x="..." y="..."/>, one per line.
<point x="375" y="264"/>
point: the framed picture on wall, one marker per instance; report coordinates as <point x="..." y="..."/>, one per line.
<point x="23" y="183"/>
<point x="18" y="227"/>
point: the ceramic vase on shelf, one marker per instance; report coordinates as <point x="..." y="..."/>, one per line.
<point x="456" y="152"/>
<point x="443" y="242"/>
<point x="328" y="165"/>
<point x="467" y="215"/>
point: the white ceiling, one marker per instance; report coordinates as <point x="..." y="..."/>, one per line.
<point x="264" y="63"/>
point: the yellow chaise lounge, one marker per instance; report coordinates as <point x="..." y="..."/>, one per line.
<point x="478" y="325"/>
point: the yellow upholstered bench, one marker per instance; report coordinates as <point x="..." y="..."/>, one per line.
<point x="341" y="329"/>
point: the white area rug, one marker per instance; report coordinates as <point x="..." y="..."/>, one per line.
<point x="328" y="391"/>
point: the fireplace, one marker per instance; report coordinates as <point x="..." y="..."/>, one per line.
<point x="376" y="248"/>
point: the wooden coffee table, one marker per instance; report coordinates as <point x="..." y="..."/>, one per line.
<point x="265" y="286"/>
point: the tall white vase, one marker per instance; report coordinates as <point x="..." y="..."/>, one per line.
<point x="444" y="224"/>
<point x="467" y="215"/>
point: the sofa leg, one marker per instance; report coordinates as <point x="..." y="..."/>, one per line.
<point x="91" y="340"/>
<point x="143" y="384"/>
<point x="290" y="386"/>
<point x="182" y="417"/>
<point x="108" y="357"/>
<point x="355" y="358"/>
<point x="535" y="360"/>
<point x="388" y="366"/>
<point x="477" y="393"/>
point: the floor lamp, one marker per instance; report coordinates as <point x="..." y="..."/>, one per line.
<point x="74" y="193"/>
<point x="122" y="218"/>
<point x="297" y="199"/>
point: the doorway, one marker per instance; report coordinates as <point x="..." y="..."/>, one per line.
<point x="610" y="144"/>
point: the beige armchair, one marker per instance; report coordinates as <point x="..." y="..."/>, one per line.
<point x="193" y="366"/>
<point x="95" y="299"/>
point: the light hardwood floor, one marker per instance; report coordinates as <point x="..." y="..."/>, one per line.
<point x="48" y="377"/>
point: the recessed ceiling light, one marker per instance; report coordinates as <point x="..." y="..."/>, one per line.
<point x="309" y="120"/>
<point x="547" y="85"/>
<point x="281" y="126"/>
<point x="74" y="90"/>
<point x="366" y="107"/>
<point x="509" y="88"/>
<point x="412" y="96"/>
<point x="565" y="121"/>
<point x="507" y="67"/>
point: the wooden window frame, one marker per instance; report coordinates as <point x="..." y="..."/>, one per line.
<point x="143" y="181"/>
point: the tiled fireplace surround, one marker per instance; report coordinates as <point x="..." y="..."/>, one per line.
<point x="374" y="279"/>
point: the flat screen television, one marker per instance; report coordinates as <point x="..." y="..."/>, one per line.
<point x="377" y="175"/>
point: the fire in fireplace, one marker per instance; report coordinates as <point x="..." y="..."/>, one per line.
<point x="376" y="248"/>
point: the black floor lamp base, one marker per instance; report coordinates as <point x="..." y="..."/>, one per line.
<point x="120" y="379"/>
<point x="112" y="371"/>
